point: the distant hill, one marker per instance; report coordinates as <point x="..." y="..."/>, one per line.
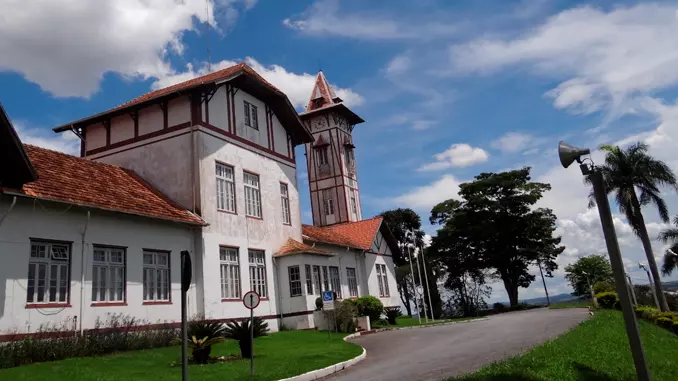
<point x="554" y="299"/>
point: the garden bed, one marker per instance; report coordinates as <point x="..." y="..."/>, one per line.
<point x="280" y="355"/>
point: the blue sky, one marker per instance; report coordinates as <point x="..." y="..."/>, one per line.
<point x="447" y="90"/>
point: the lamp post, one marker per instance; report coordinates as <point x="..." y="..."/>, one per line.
<point x="649" y="278"/>
<point x="593" y="294"/>
<point x="414" y="285"/>
<point x="569" y="154"/>
<point x="541" y="272"/>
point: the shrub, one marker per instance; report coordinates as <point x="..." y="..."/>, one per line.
<point x="498" y="306"/>
<point x="343" y="316"/>
<point x="202" y="335"/>
<point x="392" y="314"/>
<point x="607" y="299"/>
<point x="240" y="332"/>
<point x="664" y="321"/>
<point x="370" y="306"/>
<point x="318" y="303"/>
<point x="602" y="286"/>
<point x="647" y="313"/>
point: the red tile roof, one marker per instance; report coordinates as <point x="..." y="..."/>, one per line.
<point x="322" y="95"/>
<point x="359" y="234"/>
<point x="70" y="179"/>
<point x="292" y="246"/>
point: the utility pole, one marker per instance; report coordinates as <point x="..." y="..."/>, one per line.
<point x="649" y="278"/>
<point x="594" y="300"/>
<point x="548" y="301"/>
<point x="633" y="292"/>
<point x="414" y="286"/>
<point x="422" y="285"/>
<point x="428" y="285"/>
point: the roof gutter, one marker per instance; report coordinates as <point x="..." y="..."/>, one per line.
<point x="11" y="193"/>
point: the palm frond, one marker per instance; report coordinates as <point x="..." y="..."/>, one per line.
<point x="670" y="263"/>
<point x="669" y="235"/>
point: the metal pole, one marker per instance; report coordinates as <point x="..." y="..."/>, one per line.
<point x="654" y="292"/>
<point x="423" y="301"/>
<point x="414" y="291"/>
<point x="252" y="344"/>
<point x="633" y="292"/>
<point x="642" y="370"/>
<point x="428" y="285"/>
<point x="184" y="338"/>
<point x="548" y="301"/>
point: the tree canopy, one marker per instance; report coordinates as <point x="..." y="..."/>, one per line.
<point x="593" y="268"/>
<point x="496" y="226"/>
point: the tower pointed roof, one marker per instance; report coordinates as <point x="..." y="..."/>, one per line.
<point x="323" y="94"/>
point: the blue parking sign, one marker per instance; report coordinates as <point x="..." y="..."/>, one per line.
<point x="328" y="296"/>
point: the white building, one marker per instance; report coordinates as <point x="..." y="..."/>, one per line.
<point x="207" y="166"/>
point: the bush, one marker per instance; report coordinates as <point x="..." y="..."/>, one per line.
<point x="345" y="313"/>
<point x="648" y="313"/>
<point x="117" y="333"/>
<point x="318" y="303"/>
<point x="202" y="335"/>
<point x="607" y="299"/>
<point x="240" y="332"/>
<point x="392" y="314"/>
<point x="665" y="322"/>
<point x="602" y="286"/>
<point x="370" y="306"/>
<point x="498" y="306"/>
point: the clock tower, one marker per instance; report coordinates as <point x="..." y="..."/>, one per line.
<point x="330" y="158"/>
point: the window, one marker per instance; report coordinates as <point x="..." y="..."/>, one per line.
<point x="316" y="279"/>
<point x="354" y="207"/>
<point x="323" y="158"/>
<point x="156" y="276"/>
<point x="251" y="117"/>
<point x="252" y="195"/>
<point x="350" y="158"/>
<point x="108" y="274"/>
<point x="258" y="272"/>
<point x="336" y="281"/>
<point x="285" y="202"/>
<point x="309" y="281"/>
<point x="329" y="205"/>
<point x="48" y="273"/>
<point x="229" y="260"/>
<point x="352" y="282"/>
<point x="225" y="188"/>
<point x="383" y="281"/>
<point x="326" y="279"/>
<point x="295" y="280"/>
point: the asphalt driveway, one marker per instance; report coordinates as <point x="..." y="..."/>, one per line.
<point x="433" y="353"/>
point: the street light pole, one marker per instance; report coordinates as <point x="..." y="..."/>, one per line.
<point x="414" y="286"/>
<point x="548" y="301"/>
<point x="654" y="292"/>
<point x="428" y="285"/>
<point x="633" y="292"/>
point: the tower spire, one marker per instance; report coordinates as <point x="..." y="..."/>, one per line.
<point x="323" y="94"/>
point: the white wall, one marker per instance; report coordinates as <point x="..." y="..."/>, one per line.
<point x="44" y="220"/>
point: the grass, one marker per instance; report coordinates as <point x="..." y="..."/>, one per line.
<point x="407" y="321"/>
<point x="572" y="304"/>
<point x="598" y="349"/>
<point x="277" y="356"/>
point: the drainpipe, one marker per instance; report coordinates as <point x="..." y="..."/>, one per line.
<point x="82" y="274"/>
<point x="8" y="210"/>
<point x="278" y="292"/>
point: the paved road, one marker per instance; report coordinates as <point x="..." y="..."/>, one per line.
<point x="432" y="353"/>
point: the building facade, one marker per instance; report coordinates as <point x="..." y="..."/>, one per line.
<point x="219" y="150"/>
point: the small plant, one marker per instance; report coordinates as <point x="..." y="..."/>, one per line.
<point x="392" y="314"/>
<point x="607" y="299"/>
<point x="370" y="306"/>
<point x="240" y="331"/>
<point x="202" y="348"/>
<point x="205" y="331"/>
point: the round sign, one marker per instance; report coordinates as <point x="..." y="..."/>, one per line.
<point x="251" y="300"/>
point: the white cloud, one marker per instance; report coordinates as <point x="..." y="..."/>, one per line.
<point x="458" y="155"/>
<point x="512" y="142"/>
<point x="297" y="87"/>
<point x="604" y="57"/>
<point x="66" y="142"/>
<point x="67" y="46"/>
<point x="425" y="197"/>
<point x="399" y="65"/>
<point x="325" y="18"/>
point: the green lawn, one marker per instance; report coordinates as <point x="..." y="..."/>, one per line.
<point x="277" y="356"/>
<point x="598" y="349"/>
<point x="572" y="304"/>
<point x="406" y="321"/>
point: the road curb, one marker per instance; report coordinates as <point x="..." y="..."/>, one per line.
<point x="320" y="373"/>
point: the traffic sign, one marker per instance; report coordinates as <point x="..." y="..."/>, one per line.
<point x="251" y="300"/>
<point x="328" y="296"/>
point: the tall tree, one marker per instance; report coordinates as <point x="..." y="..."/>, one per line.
<point x="405" y="224"/>
<point x="592" y="268"/>
<point x="626" y="170"/>
<point x="495" y="226"/>
<point x="670" y="236"/>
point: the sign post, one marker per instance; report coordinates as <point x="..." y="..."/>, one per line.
<point x="328" y="305"/>
<point x="186" y="274"/>
<point x="251" y="300"/>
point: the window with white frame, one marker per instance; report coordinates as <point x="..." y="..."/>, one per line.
<point x="383" y="281"/>
<point x="354" y="207"/>
<point x="225" y="188"/>
<point x="323" y="158"/>
<point x="252" y="195"/>
<point x="326" y="279"/>
<point x="257" y="260"/>
<point x="285" y="203"/>
<point x="156" y="276"/>
<point x="49" y="275"/>
<point x="295" y="280"/>
<point x="316" y="279"/>
<point x="336" y="280"/>
<point x="108" y="274"/>
<point x="309" y="280"/>
<point x="328" y="202"/>
<point x="352" y="282"/>
<point x="229" y="262"/>
<point x="251" y="116"/>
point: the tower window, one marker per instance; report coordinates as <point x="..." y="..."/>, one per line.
<point x="350" y="158"/>
<point x="328" y="203"/>
<point x="323" y="157"/>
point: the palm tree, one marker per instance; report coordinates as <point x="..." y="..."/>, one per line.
<point x="628" y="170"/>
<point x="670" y="236"/>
